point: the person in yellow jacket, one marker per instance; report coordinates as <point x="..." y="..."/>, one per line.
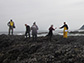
<point x="11" y="26"/>
<point x="65" y="26"/>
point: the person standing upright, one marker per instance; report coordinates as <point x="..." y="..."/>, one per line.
<point x="34" y="29"/>
<point x="27" y="30"/>
<point x="50" y="34"/>
<point x="11" y="26"/>
<point x="65" y="26"/>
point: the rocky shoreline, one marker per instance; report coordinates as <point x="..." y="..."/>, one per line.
<point x="17" y="49"/>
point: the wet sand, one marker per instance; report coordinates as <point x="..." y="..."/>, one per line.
<point x="17" y="49"/>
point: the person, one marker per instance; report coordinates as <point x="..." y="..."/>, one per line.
<point x="50" y="34"/>
<point x="27" y="30"/>
<point x="65" y="26"/>
<point x="34" y="29"/>
<point x="11" y="26"/>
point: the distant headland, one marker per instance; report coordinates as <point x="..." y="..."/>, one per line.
<point x="82" y="28"/>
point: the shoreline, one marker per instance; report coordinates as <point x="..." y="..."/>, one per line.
<point x="44" y="33"/>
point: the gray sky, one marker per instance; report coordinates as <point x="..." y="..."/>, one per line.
<point x="44" y="12"/>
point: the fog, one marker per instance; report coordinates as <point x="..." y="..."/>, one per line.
<point x="43" y="12"/>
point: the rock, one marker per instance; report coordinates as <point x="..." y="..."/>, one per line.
<point x="15" y="49"/>
<point x="82" y="28"/>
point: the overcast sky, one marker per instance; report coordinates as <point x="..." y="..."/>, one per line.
<point x="43" y="12"/>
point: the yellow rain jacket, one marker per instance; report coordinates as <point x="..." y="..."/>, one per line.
<point x="11" y="23"/>
<point x="65" y="32"/>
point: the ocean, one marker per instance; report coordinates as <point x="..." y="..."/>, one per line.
<point x="40" y="32"/>
<point x="45" y="32"/>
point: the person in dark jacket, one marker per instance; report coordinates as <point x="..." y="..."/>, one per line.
<point x="50" y="34"/>
<point x="11" y="26"/>
<point x="27" y="33"/>
<point x="65" y="26"/>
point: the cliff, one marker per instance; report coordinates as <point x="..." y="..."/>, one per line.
<point x="82" y="28"/>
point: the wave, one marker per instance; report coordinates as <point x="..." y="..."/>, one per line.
<point x="45" y="32"/>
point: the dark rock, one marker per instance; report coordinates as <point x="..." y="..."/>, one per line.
<point x="15" y="49"/>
